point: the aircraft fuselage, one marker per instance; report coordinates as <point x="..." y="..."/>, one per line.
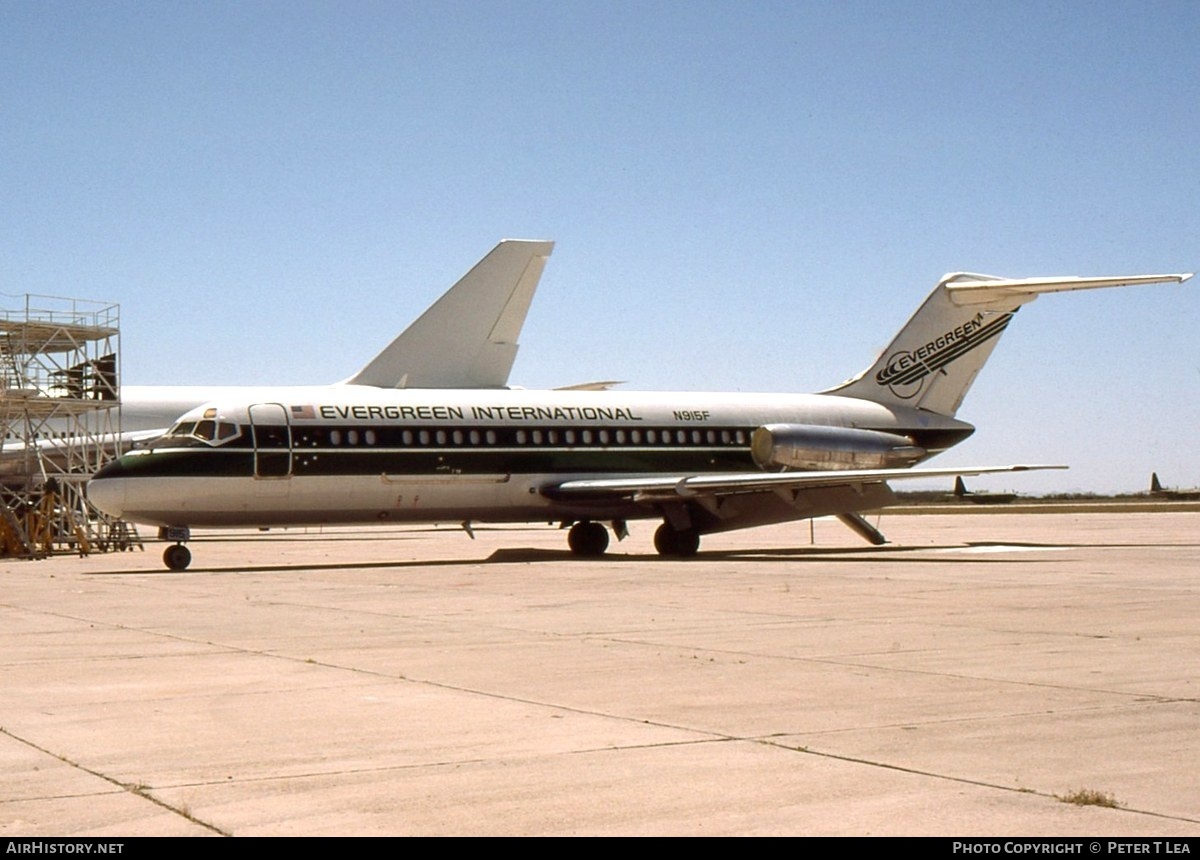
<point x="356" y="454"/>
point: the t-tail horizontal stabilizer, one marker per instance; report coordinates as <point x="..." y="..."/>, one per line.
<point x="934" y="359"/>
<point x="468" y="337"/>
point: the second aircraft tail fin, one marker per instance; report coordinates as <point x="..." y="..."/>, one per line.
<point x="468" y="337"/>
<point x="934" y="359"/>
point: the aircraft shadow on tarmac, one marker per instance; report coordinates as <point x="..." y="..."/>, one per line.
<point x="526" y="555"/>
<point x="769" y="554"/>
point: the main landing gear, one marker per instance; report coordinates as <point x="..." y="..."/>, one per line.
<point x="676" y="543"/>
<point x="589" y="539"/>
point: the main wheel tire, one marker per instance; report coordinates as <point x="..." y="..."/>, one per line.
<point x="177" y="557"/>
<point x="587" y="539"/>
<point x="677" y="544"/>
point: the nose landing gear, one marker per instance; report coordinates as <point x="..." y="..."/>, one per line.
<point x="177" y="556"/>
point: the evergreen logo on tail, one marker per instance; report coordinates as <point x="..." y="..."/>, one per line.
<point x="905" y="371"/>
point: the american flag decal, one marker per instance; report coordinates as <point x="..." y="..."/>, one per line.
<point x="303" y="412"/>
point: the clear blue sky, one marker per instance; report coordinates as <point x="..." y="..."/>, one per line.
<point x="745" y="196"/>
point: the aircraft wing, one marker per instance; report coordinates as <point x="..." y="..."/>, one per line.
<point x="683" y="487"/>
<point x="135" y="438"/>
<point x="599" y="385"/>
<point x="15" y="454"/>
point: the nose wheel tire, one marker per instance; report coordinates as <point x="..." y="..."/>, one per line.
<point x="588" y="539"/>
<point x="177" y="557"/>
<point x="678" y="544"/>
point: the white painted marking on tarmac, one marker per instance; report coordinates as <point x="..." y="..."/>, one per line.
<point x="1001" y="547"/>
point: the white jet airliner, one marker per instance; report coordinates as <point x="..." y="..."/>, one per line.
<point x="466" y="339"/>
<point x="699" y="462"/>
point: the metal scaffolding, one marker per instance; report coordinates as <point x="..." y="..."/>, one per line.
<point x="60" y="410"/>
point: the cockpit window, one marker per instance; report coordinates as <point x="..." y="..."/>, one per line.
<point x="209" y="431"/>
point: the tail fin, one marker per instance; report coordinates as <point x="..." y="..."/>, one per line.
<point x="1155" y="486"/>
<point x="934" y="359"/>
<point x="468" y="337"/>
<point x="960" y="488"/>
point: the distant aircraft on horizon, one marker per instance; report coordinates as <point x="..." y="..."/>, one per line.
<point x="1159" y="492"/>
<point x="700" y="463"/>
<point x="962" y="494"/>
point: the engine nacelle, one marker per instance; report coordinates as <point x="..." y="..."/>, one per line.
<point x="810" y="447"/>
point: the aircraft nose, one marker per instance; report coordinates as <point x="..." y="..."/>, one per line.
<point x="107" y="494"/>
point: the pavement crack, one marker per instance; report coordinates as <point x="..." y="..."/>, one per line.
<point x="766" y="741"/>
<point x="137" y="789"/>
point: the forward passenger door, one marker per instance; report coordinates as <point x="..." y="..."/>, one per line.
<point x="272" y="440"/>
